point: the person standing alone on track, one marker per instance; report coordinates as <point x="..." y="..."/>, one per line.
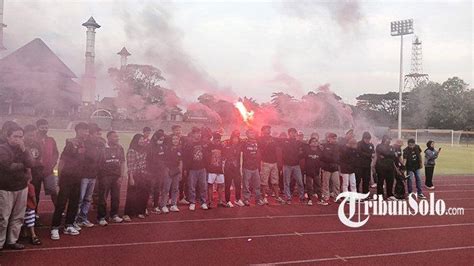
<point x="430" y="161"/>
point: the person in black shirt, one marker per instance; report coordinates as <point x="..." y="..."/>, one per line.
<point x="348" y="164"/>
<point x="313" y="169"/>
<point x="15" y="160"/>
<point x="385" y="167"/>
<point x="251" y="162"/>
<point x="174" y="168"/>
<point x="292" y="153"/>
<point x="111" y="175"/>
<point x="71" y="170"/>
<point x="156" y="167"/>
<point x="413" y="163"/>
<point x="330" y="169"/>
<point x="194" y="163"/>
<point x="269" y="168"/>
<point x="365" y="154"/>
<point x="215" y="169"/>
<point x="232" y="171"/>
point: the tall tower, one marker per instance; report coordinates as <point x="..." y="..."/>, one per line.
<point x="1" y="26"/>
<point x="416" y="76"/>
<point x="88" y="80"/>
<point x="123" y="57"/>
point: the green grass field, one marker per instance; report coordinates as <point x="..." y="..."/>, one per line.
<point x="457" y="160"/>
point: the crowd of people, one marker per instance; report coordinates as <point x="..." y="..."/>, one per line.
<point x="164" y="171"/>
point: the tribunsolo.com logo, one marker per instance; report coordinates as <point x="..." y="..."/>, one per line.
<point x="358" y="204"/>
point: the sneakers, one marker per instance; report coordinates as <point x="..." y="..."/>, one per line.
<point x="391" y="198"/>
<point x="116" y="219"/>
<point x="288" y="202"/>
<point x="156" y="210"/>
<point x="55" y="234"/>
<point x="70" y="230"/>
<point x="204" y="206"/>
<point x="421" y="196"/>
<point x="76" y="226"/>
<point x="141" y="216"/>
<point x="430" y="188"/>
<point x="86" y="224"/>
<point x="246" y="203"/>
<point x="165" y="210"/>
<point x="280" y="200"/>
<point x="229" y="205"/>
<point x="184" y="202"/>
<point x="239" y="203"/>
<point x="265" y="201"/>
<point x="192" y="207"/>
<point x="374" y="185"/>
<point x="323" y="202"/>
<point x="126" y="218"/>
<point x="310" y="203"/>
<point x="261" y="202"/>
<point x="103" y="222"/>
<point x="174" y="208"/>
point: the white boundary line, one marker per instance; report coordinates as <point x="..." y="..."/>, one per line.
<point x="337" y="257"/>
<point x="241" y="237"/>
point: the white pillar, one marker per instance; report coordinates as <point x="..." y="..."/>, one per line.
<point x="2" y="25"/>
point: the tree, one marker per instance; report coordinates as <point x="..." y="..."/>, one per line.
<point x="386" y="103"/>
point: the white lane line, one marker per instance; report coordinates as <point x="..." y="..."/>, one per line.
<point x="240" y="237"/>
<point x="341" y="258"/>
<point x="370" y="255"/>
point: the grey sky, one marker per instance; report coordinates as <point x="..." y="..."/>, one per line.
<point x="254" y="47"/>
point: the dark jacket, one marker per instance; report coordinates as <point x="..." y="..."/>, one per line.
<point x="348" y="160"/>
<point x="74" y="162"/>
<point x="312" y="161"/>
<point x="13" y="168"/>
<point x="364" y="154"/>
<point x="93" y="157"/>
<point x="292" y="152"/>
<point x="330" y="157"/>
<point x="155" y="158"/>
<point x="385" y="156"/>
<point x="232" y="155"/>
<point x="413" y="157"/>
<point x="50" y="154"/>
<point x="268" y="148"/>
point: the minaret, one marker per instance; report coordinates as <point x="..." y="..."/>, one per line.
<point x="1" y="26"/>
<point x="123" y="57"/>
<point x="88" y="81"/>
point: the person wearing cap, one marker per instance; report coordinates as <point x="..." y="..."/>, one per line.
<point x="365" y="154"/>
<point x="94" y="145"/>
<point x="347" y="165"/>
<point x="232" y="169"/>
<point x="413" y="163"/>
<point x="430" y="161"/>
<point x="215" y="170"/>
<point x="385" y="167"/>
<point x="72" y="165"/>
<point x="251" y="162"/>
<point x="194" y="163"/>
<point x="330" y="169"/>
<point x="292" y="154"/>
<point x="269" y="168"/>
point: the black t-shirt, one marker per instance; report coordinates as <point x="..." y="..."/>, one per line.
<point x="194" y="155"/>
<point x="348" y="160"/>
<point x="292" y="152"/>
<point x="155" y="159"/>
<point x="413" y="157"/>
<point x="112" y="159"/>
<point x="35" y="149"/>
<point x="364" y="154"/>
<point x="232" y="157"/>
<point x="268" y="149"/>
<point x="251" y="155"/>
<point x="385" y="156"/>
<point x="312" y="161"/>
<point x="173" y="156"/>
<point x="330" y="157"/>
<point x="94" y="151"/>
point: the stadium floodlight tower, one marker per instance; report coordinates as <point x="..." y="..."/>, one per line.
<point x="400" y="28"/>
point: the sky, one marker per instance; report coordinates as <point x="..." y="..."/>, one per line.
<point x="253" y="48"/>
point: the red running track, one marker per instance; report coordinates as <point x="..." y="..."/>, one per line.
<point x="268" y="235"/>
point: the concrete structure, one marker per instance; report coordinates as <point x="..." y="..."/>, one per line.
<point x="88" y="80"/>
<point x="123" y="57"/>
<point x="2" y="25"/>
